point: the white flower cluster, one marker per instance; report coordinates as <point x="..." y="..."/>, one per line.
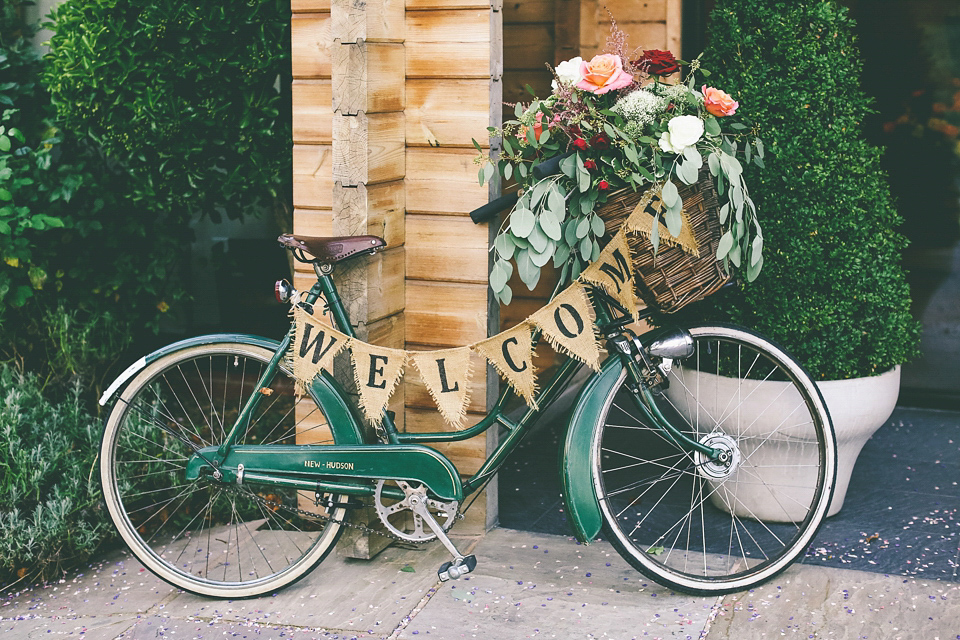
<point x="639" y="108"/>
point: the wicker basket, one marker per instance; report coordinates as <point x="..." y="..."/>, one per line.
<point x="673" y="278"/>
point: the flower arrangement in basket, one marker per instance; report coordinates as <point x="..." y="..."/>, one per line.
<point x="621" y="128"/>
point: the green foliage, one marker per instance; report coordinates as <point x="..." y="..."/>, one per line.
<point x="190" y="97"/>
<point x="832" y="289"/>
<point x="51" y="515"/>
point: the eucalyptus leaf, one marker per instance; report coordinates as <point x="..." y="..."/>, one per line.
<point x="542" y="258"/>
<point x="692" y="155"/>
<point x="713" y="162"/>
<point x="505" y="246"/>
<point x="569" y="166"/>
<point x="583" y="228"/>
<point x="669" y="194"/>
<point x="508" y="171"/>
<point x="506" y="295"/>
<point x="674" y="221"/>
<point x="726" y="243"/>
<point x="538" y="239"/>
<point x="596" y="224"/>
<point x="586" y="248"/>
<point x="570" y="231"/>
<point x="550" y="226"/>
<point x="561" y="254"/>
<point x="522" y="222"/>
<point x="529" y="272"/>
<point x="557" y="203"/>
<point x="499" y="275"/>
<point x="756" y="250"/>
<point x="595" y="254"/>
<point x="711" y="126"/>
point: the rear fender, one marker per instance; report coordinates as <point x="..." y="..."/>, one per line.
<point x="325" y="391"/>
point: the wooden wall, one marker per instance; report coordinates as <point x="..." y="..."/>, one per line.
<point x="387" y="96"/>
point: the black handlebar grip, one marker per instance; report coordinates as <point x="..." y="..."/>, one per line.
<point x="550" y="167"/>
<point x="492" y="208"/>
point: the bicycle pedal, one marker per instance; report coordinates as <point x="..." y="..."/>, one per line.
<point x="453" y="571"/>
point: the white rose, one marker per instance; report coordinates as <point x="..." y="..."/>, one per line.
<point x="682" y="132"/>
<point x="568" y="72"/>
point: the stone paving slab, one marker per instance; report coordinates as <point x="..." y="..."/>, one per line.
<point x="550" y="586"/>
<point x="817" y="602"/>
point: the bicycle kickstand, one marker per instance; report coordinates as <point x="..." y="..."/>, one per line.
<point x="461" y="564"/>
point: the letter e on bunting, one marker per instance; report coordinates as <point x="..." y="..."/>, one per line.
<point x="613" y="272"/>
<point x="511" y="352"/>
<point x="377" y="370"/>
<point x="446" y="374"/>
<point x="314" y="346"/>
<point x="567" y="325"/>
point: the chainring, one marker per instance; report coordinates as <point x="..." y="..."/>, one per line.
<point x="400" y="520"/>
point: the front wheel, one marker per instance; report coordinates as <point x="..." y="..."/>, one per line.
<point x="706" y="526"/>
<point x="205" y="536"/>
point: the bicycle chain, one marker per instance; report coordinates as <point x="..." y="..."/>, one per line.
<point x="319" y="516"/>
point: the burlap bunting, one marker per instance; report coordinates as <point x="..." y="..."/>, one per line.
<point x="641" y="221"/>
<point x="377" y="370"/>
<point x="511" y="353"/>
<point x="613" y="272"/>
<point x="446" y="374"/>
<point x="314" y="346"/>
<point x="567" y="325"/>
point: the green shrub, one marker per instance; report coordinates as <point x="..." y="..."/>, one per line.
<point x="190" y="97"/>
<point x="51" y="516"/>
<point x="832" y="289"/>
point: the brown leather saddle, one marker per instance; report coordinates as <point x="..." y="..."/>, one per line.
<point x="330" y="250"/>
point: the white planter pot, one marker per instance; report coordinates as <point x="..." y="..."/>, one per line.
<point x="858" y="407"/>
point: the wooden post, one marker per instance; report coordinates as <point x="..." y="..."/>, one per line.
<point x="368" y="166"/>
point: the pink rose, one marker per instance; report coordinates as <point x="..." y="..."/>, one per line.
<point x="718" y="102"/>
<point x="603" y="73"/>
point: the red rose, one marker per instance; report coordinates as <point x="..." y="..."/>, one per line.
<point x="600" y="142"/>
<point x="580" y="143"/>
<point x="589" y="164"/>
<point x="603" y="185"/>
<point x="657" y="62"/>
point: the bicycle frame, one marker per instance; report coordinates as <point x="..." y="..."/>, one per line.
<point x="404" y="453"/>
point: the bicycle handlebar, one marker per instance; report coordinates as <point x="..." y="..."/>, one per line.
<point x="492" y="208"/>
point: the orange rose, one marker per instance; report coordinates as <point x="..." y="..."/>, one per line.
<point x="718" y="103"/>
<point x="603" y="73"/>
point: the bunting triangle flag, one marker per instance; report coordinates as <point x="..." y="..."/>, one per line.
<point x="567" y="325"/>
<point x="613" y="272"/>
<point x="314" y="346"/>
<point x="511" y="353"/>
<point x="645" y="214"/>
<point x="446" y="374"/>
<point x="376" y="370"/>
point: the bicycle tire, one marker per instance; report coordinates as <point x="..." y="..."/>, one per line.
<point x="206" y="537"/>
<point x="703" y="527"/>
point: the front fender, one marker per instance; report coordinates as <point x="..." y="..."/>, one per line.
<point x="577" y="455"/>
<point x="325" y="391"/>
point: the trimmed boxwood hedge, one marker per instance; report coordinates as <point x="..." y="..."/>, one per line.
<point x="832" y="290"/>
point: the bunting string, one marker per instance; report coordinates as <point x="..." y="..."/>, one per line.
<point x="566" y="322"/>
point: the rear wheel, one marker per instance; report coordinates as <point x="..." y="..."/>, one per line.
<point x="713" y="527"/>
<point x="204" y="536"/>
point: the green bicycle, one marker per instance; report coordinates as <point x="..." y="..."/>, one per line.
<point x="225" y="483"/>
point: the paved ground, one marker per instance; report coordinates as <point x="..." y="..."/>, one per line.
<point x="527" y="585"/>
<point x="886" y="568"/>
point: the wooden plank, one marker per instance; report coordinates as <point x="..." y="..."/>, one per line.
<point x="310" y="43"/>
<point x="448" y="248"/>
<point x="313" y="176"/>
<point x="368" y="148"/>
<point x="368" y="21"/>
<point x="367" y="77"/>
<point x="298" y="6"/>
<point x="466" y="455"/>
<point x="421" y="5"/>
<point x="444" y="314"/>
<point x="313" y="222"/>
<point x="527" y="46"/>
<point x="674" y="18"/>
<point x="646" y="35"/>
<point x="312" y="111"/>
<point x="566" y="19"/>
<point x="633" y="10"/>
<point x="463" y="25"/>
<point x="380" y="211"/>
<point x="447" y="113"/>
<point x="443" y="181"/>
<point x="527" y="11"/>
<point x="417" y="395"/>
<point x="424" y="60"/>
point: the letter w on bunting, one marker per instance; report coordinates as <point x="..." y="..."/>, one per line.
<point x="566" y="323"/>
<point x="446" y="374"/>
<point x="314" y="346"/>
<point x="613" y="272"/>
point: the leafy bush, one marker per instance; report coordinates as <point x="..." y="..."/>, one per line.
<point x="832" y="290"/>
<point x="190" y="97"/>
<point x="52" y="516"/>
